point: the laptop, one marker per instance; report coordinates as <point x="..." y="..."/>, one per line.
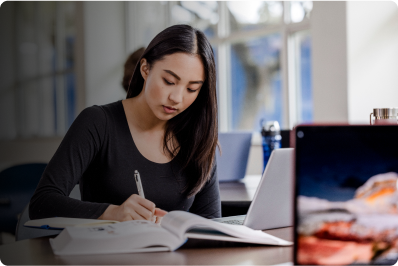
<point x="346" y="198"/>
<point x="272" y="205"/>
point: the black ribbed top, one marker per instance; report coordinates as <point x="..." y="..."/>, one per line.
<point x="99" y="152"/>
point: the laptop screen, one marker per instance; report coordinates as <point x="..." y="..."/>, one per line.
<point x="346" y="195"/>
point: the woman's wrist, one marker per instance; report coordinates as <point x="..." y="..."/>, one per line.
<point x="108" y="213"/>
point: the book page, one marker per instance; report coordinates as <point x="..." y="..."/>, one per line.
<point x="123" y="237"/>
<point x="180" y="222"/>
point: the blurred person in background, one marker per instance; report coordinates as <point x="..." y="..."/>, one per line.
<point x="129" y="67"/>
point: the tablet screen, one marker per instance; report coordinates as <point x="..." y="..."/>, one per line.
<point x="346" y="195"/>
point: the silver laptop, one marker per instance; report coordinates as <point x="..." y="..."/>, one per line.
<point x="272" y="205"/>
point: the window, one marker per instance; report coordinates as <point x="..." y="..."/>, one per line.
<point x="264" y="63"/>
<point x="263" y="51"/>
<point x="255" y="88"/>
<point x="301" y="42"/>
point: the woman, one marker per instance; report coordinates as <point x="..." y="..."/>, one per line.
<point x="166" y="129"/>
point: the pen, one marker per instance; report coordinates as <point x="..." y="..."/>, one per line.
<point x="139" y="184"/>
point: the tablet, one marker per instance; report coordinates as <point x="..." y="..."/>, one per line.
<point x="346" y="200"/>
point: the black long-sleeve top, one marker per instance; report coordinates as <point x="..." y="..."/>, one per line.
<point x="99" y="153"/>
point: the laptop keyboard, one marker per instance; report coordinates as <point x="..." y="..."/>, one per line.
<point x="238" y="222"/>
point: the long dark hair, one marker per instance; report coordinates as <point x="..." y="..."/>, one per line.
<point x="195" y="129"/>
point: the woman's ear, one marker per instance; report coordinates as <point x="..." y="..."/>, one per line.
<point x="144" y="68"/>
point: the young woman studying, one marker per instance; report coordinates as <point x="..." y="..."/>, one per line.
<point x="166" y="129"/>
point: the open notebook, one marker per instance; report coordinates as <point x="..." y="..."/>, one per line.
<point x="146" y="236"/>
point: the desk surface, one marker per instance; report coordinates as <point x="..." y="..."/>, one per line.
<point x="38" y="251"/>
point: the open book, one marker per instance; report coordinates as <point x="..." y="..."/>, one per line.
<point x="146" y="236"/>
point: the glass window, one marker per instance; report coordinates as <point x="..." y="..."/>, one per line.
<point x="202" y="15"/>
<point x="302" y="44"/>
<point x="299" y="10"/>
<point x="256" y="91"/>
<point x="249" y="15"/>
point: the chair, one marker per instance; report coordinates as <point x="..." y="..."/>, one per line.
<point x="235" y="147"/>
<point x="17" y="185"/>
<point x="23" y="232"/>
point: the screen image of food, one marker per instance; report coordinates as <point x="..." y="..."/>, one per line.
<point x="346" y="195"/>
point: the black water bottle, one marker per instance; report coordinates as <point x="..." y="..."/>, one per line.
<point x="271" y="137"/>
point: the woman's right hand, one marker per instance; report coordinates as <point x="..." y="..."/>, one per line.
<point x="134" y="208"/>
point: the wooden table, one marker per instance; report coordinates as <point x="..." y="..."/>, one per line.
<point x="199" y="252"/>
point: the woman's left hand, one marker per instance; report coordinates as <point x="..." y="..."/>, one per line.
<point x="158" y="215"/>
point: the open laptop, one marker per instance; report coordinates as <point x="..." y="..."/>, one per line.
<point x="272" y="205"/>
<point x="346" y="195"/>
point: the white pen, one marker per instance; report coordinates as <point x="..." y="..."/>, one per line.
<point x="139" y="184"/>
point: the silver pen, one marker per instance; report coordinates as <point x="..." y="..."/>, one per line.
<point x="139" y="184"/>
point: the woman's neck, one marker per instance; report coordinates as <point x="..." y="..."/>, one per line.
<point x="141" y="116"/>
<point x="147" y="130"/>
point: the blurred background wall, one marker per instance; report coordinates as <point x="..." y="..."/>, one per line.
<point x="293" y="62"/>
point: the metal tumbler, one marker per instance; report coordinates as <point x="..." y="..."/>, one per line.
<point x="384" y="116"/>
